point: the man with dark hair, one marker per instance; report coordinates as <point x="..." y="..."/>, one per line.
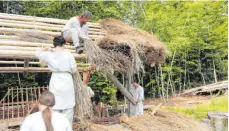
<point x="76" y="29"/>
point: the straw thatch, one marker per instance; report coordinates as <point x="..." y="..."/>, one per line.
<point x="124" y="48"/>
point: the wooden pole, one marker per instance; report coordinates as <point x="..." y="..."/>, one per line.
<point x="22" y="100"/>
<point x="18" y="62"/>
<point x="19" y="48"/>
<point x="14" y="30"/>
<point x="8" y="104"/>
<point x="35" y="69"/>
<point x="122" y="89"/>
<point x="18" y="113"/>
<point x="27" y="99"/>
<point x="30" y="54"/>
<point x="26" y="65"/>
<point x="48" y="28"/>
<point x="129" y="88"/>
<point x="38" y="19"/>
<point x="12" y="106"/>
<point x="29" y="44"/>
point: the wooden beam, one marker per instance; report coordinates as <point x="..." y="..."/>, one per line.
<point x="18" y="62"/>
<point x="34" y="69"/>
<point x="121" y="88"/>
<point x="18" y="48"/>
<point x="28" y="44"/>
<point x="13" y="37"/>
<point x="30" y="54"/>
<point x="32" y="25"/>
<point x="37" y="19"/>
<point x="14" y="30"/>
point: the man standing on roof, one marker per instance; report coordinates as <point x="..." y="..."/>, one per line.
<point x="76" y="29"/>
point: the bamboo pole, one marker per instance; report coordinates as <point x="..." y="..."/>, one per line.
<point x="3" y="101"/>
<point x="42" y="27"/>
<point x="22" y="100"/>
<point x="18" y="62"/>
<point x="27" y="100"/>
<point x="30" y="26"/>
<point x="13" y="30"/>
<point x="30" y="23"/>
<point x="35" y="92"/>
<point x="8" y="104"/>
<point x="17" y="104"/>
<point x="30" y="54"/>
<point x="35" y="69"/>
<point x="37" y="19"/>
<point x="39" y="92"/>
<point x="12" y="104"/>
<point x="11" y="37"/>
<point x="26" y="48"/>
<point x="35" y="23"/>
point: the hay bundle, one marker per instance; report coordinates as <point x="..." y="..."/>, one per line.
<point x="125" y="48"/>
<point x="83" y="107"/>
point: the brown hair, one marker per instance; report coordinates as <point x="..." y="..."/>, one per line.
<point x="47" y="99"/>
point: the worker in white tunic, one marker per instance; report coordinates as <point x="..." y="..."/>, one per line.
<point x="62" y="63"/>
<point x="76" y="29"/>
<point x="138" y="94"/>
<point x="46" y="119"/>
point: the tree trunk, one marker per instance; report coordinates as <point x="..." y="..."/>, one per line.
<point x="162" y="84"/>
<point x="202" y="75"/>
<point x="121" y="88"/>
<point x="185" y="73"/>
<point x="215" y="75"/>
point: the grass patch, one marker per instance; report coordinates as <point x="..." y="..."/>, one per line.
<point x="218" y="104"/>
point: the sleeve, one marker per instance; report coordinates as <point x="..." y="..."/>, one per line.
<point x="141" y="94"/>
<point x="42" y="55"/>
<point x="25" y="125"/>
<point x="85" y="30"/>
<point x="75" y="24"/>
<point x="72" y="62"/>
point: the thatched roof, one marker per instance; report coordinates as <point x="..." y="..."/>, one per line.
<point x="130" y="46"/>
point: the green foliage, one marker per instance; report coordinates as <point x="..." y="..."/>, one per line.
<point x="104" y="90"/>
<point x="195" y="34"/>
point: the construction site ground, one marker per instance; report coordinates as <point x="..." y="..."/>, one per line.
<point x="163" y="120"/>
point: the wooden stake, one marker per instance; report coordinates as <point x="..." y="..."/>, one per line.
<point x="12" y="97"/>
<point x="155" y="110"/>
<point x="8" y="104"/>
<point x="17" y="105"/>
<point x="22" y="99"/>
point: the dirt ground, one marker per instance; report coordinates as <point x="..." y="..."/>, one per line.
<point x="161" y="121"/>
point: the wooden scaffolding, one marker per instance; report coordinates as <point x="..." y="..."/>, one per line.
<point x="17" y="56"/>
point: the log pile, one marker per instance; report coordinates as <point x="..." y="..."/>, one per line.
<point x="223" y="85"/>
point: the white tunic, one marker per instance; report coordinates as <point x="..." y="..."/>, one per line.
<point x="61" y="83"/>
<point x="35" y="122"/>
<point x="138" y="95"/>
<point x="74" y="23"/>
